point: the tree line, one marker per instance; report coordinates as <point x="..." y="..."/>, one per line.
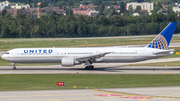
<point x="24" y="26"/>
<point x="84" y="2"/>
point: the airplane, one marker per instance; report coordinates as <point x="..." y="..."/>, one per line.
<point x="158" y="47"/>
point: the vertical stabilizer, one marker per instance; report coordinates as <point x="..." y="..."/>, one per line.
<point x="162" y="40"/>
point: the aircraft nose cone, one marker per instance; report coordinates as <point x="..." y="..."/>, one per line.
<point x="2" y="56"/>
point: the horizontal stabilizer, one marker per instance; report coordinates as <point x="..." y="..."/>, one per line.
<point x="170" y="51"/>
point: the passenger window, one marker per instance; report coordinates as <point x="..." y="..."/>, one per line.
<point x="7" y="53"/>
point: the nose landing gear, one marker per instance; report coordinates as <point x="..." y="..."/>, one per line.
<point x="14" y="67"/>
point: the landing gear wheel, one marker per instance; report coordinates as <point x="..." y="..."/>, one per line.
<point x="86" y="68"/>
<point x="91" y="67"/>
<point x="14" y="68"/>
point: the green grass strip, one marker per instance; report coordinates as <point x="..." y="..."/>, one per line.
<point x="47" y="81"/>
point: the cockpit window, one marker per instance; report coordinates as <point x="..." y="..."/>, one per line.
<point x="7" y="53"/>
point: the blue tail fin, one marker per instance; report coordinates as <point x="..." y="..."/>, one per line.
<point x="162" y="40"/>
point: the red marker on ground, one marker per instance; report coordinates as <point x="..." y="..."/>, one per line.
<point x="59" y="83"/>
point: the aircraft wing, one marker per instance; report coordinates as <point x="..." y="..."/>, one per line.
<point x="91" y="57"/>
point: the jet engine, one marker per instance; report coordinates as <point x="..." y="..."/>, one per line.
<point x="69" y="62"/>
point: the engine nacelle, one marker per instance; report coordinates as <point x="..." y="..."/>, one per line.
<point x="69" y="62"/>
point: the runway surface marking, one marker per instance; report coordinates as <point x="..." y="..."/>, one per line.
<point x="112" y="94"/>
<point x="44" y="95"/>
<point x="100" y="96"/>
<point x="78" y="99"/>
<point x="129" y="94"/>
<point x="115" y="94"/>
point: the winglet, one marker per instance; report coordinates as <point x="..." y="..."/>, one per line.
<point x="162" y="40"/>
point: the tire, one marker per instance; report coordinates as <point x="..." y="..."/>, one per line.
<point x="86" y="68"/>
<point x="91" y="68"/>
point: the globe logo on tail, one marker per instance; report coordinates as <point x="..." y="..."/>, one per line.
<point x="159" y="42"/>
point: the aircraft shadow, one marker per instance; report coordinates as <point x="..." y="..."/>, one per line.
<point x="107" y="69"/>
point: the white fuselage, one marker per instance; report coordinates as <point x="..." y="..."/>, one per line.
<point x="55" y="55"/>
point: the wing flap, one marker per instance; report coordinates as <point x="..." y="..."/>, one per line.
<point x="90" y="57"/>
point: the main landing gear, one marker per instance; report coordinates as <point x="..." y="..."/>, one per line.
<point x="89" y="65"/>
<point x="14" y="67"/>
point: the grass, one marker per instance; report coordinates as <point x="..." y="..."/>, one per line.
<point x="47" y="81"/>
<point x="7" y="45"/>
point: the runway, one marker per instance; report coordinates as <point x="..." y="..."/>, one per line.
<point x="100" y="68"/>
<point x="103" y="69"/>
<point x="117" y="94"/>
